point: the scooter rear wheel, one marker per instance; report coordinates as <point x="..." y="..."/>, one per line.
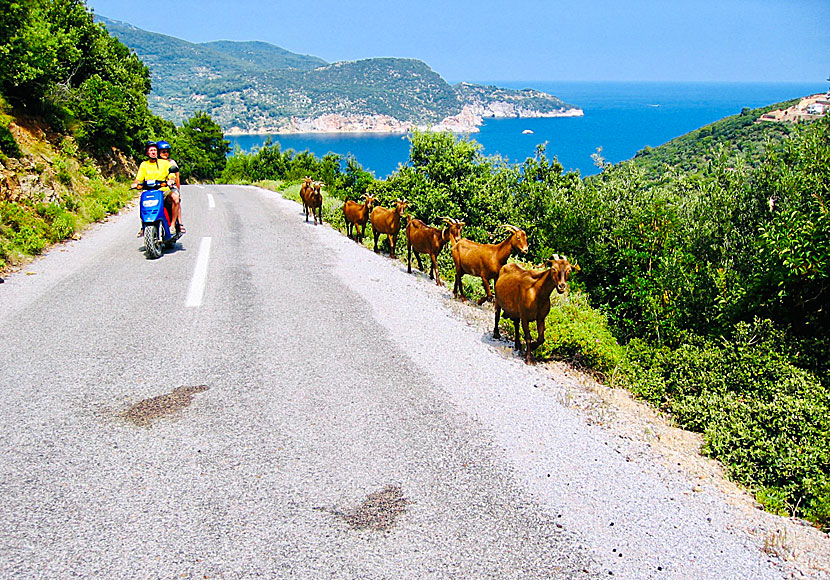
<point x="152" y="242"/>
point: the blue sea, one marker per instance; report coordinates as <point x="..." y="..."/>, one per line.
<point x="620" y="117"/>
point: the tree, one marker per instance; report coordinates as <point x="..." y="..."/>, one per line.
<point x="200" y="148"/>
<point x="793" y="260"/>
<point x="56" y="62"/>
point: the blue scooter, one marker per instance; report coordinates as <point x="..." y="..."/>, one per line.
<point x="154" y="218"/>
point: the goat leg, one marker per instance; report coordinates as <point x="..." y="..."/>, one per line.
<point x="530" y="348"/>
<point x="540" y="338"/>
<point x="496" y="334"/>
<point x="420" y="263"/>
<point x="489" y="293"/>
<point x="458" y="289"/>
<point x="517" y="340"/>
<point x="435" y="269"/>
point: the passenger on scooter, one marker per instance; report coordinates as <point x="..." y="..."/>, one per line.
<point x="175" y="190"/>
<point x="152" y="169"/>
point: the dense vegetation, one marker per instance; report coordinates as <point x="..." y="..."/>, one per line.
<point x="704" y="291"/>
<point x="63" y="76"/>
<point x="254" y="85"/>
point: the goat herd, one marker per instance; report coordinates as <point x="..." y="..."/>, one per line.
<point x="522" y="294"/>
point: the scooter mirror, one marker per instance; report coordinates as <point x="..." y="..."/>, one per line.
<point x="173" y="170"/>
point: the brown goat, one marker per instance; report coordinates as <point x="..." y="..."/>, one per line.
<point x="314" y="202"/>
<point x="387" y="221"/>
<point x="484" y="260"/>
<point x="305" y="188"/>
<point x="357" y="215"/>
<point x="425" y="239"/>
<point x="524" y="295"/>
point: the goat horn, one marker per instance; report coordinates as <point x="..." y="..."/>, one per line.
<point x="509" y="228"/>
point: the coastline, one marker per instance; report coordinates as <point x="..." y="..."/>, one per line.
<point x="617" y="118"/>
<point x="467" y="121"/>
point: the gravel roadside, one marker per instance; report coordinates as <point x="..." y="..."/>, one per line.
<point x="609" y="468"/>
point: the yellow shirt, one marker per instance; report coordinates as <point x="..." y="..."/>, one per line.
<point x="153" y="170"/>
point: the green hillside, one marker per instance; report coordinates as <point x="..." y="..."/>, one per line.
<point x="256" y="86"/>
<point x="738" y="135"/>
<point x="261" y="54"/>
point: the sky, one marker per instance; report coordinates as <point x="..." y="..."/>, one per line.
<point x="539" y="40"/>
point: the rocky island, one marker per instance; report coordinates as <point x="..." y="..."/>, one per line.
<point x="259" y="88"/>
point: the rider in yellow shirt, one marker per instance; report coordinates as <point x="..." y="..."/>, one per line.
<point x="152" y="169"/>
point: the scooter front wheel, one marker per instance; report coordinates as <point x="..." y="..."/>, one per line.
<point x="152" y="242"/>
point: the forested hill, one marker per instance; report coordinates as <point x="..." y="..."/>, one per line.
<point x="172" y="60"/>
<point x="738" y="135"/>
<point x="258" y="87"/>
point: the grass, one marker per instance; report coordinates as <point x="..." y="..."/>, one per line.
<point x="75" y="197"/>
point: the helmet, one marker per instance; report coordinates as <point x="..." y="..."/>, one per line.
<point x="163" y="146"/>
<point x="149" y="144"/>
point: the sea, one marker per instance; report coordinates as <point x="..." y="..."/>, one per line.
<point x="620" y="119"/>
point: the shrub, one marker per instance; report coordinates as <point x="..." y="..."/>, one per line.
<point x="60" y="223"/>
<point x="8" y="144"/>
<point x="581" y="334"/>
<point x="767" y="420"/>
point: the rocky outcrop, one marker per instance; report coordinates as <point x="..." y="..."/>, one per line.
<point x="505" y="109"/>
<point x="29" y="178"/>
<point x="467" y="121"/>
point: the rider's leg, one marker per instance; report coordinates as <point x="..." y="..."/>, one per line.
<point x="177" y="210"/>
<point x="179" y="222"/>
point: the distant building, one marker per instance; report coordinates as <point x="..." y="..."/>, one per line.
<point x="806" y="109"/>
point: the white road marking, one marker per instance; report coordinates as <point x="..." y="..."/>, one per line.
<point x="197" y="283"/>
<point x="211" y="203"/>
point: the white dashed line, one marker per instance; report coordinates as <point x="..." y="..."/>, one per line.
<point x="197" y="283"/>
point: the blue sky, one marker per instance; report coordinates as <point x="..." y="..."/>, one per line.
<point x="599" y="40"/>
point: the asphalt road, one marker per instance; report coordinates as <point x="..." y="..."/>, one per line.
<point x="266" y="472"/>
<point x="304" y="431"/>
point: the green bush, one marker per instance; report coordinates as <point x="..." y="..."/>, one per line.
<point x="581" y="334"/>
<point x="60" y="223"/>
<point x="62" y="171"/>
<point x="767" y="420"/>
<point x="8" y="144"/>
<point x="30" y="240"/>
